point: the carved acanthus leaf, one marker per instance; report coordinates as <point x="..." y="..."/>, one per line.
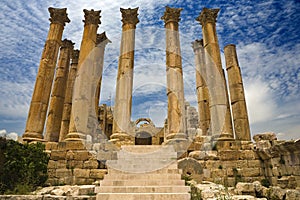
<point x="58" y="16"/>
<point x="171" y="14"/>
<point x="208" y="16"/>
<point x="130" y="16"/>
<point x="91" y="17"/>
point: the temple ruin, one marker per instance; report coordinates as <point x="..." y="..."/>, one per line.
<point x="88" y="142"/>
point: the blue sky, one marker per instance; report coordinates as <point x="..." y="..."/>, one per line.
<point x="266" y="34"/>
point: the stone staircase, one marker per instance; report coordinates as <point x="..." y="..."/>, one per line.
<point x="147" y="172"/>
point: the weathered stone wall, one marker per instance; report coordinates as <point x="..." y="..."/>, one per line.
<point x="267" y="160"/>
<point x="240" y="163"/>
<point x="281" y="160"/>
<point x="75" y="162"/>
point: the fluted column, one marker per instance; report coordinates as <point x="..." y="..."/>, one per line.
<point x="237" y="95"/>
<point x="175" y="91"/>
<point x="201" y="87"/>
<point x="221" y="125"/>
<point x="65" y="122"/>
<point x="41" y="93"/>
<point x="83" y="94"/>
<point x="123" y="99"/>
<point x="58" y="92"/>
<point x="101" y="43"/>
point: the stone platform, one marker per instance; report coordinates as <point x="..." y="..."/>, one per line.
<point x="143" y="172"/>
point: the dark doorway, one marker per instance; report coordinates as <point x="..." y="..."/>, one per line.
<point x="143" y="138"/>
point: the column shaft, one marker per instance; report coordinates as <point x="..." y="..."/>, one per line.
<point x="237" y="95"/>
<point x="221" y="125"/>
<point x="175" y="90"/>
<point x="41" y="94"/>
<point x="81" y="124"/>
<point x="65" y="122"/>
<point x="123" y="100"/>
<point x="201" y="87"/>
<point x="101" y="42"/>
<point x="58" y="93"/>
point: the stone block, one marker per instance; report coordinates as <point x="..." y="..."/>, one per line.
<point x="51" y="173"/>
<point x="98" y="173"/>
<point x="90" y="164"/>
<point x="51" y="145"/>
<point x="241" y="163"/>
<point x="75" y="145"/>
<point x="52" y="164"/>
<point x="61" y="164"/>
<point x="83" y="181"/>
<point x="64" y="173"/>
<point x="250" y="172"/>
<point x="72" y="164"/>
<point x="254" y="163"/>
<point x="82" y="155"/>
<point x="81" y="173"/>
<point x="58" y="155"/>
<point x="248" y="155"/>
<point x="228" y="155"/>
<point x="245" y="189"/>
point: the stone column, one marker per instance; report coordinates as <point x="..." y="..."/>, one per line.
<point x="41" y="93"/>
<point x="221" y="126"/>
<point x="123" y="99"/>
<point x="58" y="93"/>
<point x="101" y="42"/>
<point x="201" y="87"/>
<point x="175" y="91"/>
<point x="65" y="122"/>
<point x="237" y="95"/>
<point x="83" y="94"/>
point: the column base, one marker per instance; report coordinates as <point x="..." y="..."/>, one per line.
<point x="176" y="136"/>
<point x="33" y="137"/>
<point x="120" y="139"/>
<point x="75" y="136"/>
<point x="223" y="137"/>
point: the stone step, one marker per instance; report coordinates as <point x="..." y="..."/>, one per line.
<point x="157" y="182"/>
<point x="143" y="189"/>
<point x="143" y="196"/>
<point x="144" y="176"/>
<point x="159" y="171"/>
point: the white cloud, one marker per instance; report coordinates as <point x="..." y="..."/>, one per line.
<point x="11" y="136"/>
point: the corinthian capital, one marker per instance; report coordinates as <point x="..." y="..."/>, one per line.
<point x="91" y="17"/>
<point x="208" y="16"/>
<point x="197" y="44"/>
<point x="171" y="14"/>
<point x="102" y="39"/>
<point x="67" y="44"/>
<point x="58" y="15"/>
<point x="130" y="16"/>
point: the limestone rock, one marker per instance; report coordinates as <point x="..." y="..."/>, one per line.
<point x="245" y="188"/>
<point x="265" y="136"/>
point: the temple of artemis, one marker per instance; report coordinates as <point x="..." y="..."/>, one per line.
<point x="82" y="136"/>
<point x="64" y="105"/>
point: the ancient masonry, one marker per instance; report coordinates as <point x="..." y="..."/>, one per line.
<point x="86" y="141"/>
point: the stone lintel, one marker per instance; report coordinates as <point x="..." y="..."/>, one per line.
<point x="102" y="39"/>
<point x="197" y="44"/>
<point x="75" y="55"/>
<point x="208" y="15"/>
<point x="171" y="15"/>
<point x="67" y="44"/>
<point x="91" y="17"/>
<point x="130" y="16"/>
<point x="58" y="16"/>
